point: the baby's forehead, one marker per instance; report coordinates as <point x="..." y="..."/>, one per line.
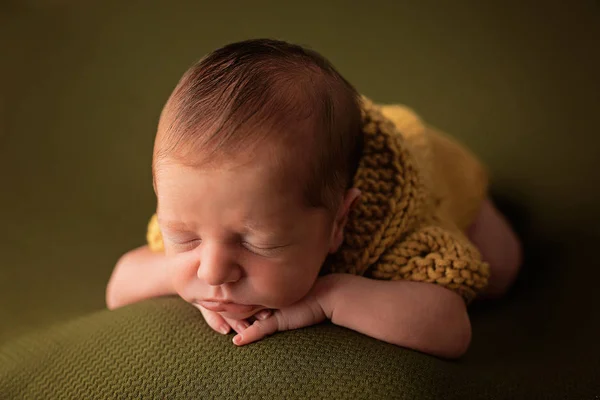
<point x="272" y="170"/>
<point x="231" y="195"/>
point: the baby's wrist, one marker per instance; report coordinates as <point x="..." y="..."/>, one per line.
<point x="328" y="290"/>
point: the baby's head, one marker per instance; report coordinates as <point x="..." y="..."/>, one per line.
<point x="253" y="164"/>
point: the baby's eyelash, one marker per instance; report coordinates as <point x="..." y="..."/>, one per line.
<point x="186" y="243"/>
<point x="262" y="249"/>
<point x="189" y="244"/>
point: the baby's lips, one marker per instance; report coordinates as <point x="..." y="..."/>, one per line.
<point x="227" y="307"/>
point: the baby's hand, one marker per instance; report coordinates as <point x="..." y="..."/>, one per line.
<point x="311" y="310"/>
<point x="223" y="325"/>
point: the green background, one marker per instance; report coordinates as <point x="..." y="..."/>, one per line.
<point x="82" y="84"/>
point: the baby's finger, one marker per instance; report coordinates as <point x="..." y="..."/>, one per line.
<point x="258" y="330"/>
<point x="238" y="325"/>
<point x="214" y="320"/>
<point x="263" y="314"/>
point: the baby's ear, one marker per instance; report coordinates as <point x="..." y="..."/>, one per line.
<point x="350" y="200"/>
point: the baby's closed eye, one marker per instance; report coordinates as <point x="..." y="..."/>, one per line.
<point x="184" y="244"/>
<point x="264" y="250"/>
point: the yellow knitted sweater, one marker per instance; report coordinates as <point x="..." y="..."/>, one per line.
<point x="420" y="192"/>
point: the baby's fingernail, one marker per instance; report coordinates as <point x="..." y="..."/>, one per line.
<point x="224" y="329"/>
<point x="237" y="339"/>
<point x="244" y="325"/>
<point x="263" y="314"/>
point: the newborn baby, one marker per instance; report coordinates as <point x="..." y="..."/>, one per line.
<point x="285" y="198"/>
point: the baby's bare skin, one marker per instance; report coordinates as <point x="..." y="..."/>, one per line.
<point x="490" y="233"/>
<point x="499" y="246"/>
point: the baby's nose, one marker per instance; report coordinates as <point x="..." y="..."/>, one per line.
<point x="216" y="275"/>
<point x="217" y="268"/>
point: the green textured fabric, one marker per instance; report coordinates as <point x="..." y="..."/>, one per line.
<point x="81" y="88"/>
<point x="162" y="349"/>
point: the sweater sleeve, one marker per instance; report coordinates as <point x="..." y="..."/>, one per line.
<point x="435" y="255"/>
<point x="154" y="236"/>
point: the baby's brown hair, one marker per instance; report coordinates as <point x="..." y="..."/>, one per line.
<point x="258" y="89"/>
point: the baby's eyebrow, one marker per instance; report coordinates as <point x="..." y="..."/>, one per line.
<point x="173" y="226"/>
<point x="264" y="231"/>
<point x="257" y="227"/>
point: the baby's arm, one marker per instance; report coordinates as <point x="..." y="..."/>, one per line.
<point x="139" y="274"/>
<point x="421" y="316"/>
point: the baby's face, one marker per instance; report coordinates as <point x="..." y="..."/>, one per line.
<point x="248" y="241"/>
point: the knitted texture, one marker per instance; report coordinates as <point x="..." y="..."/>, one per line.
<point x="432" y="254"/>
<point x="392" y="196"/>
<point x="399" y="228"/>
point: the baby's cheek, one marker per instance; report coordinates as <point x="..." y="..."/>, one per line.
<point x="179" y="284"/>
<point x="183" y="279"/>
<point x="286" y="289"/>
